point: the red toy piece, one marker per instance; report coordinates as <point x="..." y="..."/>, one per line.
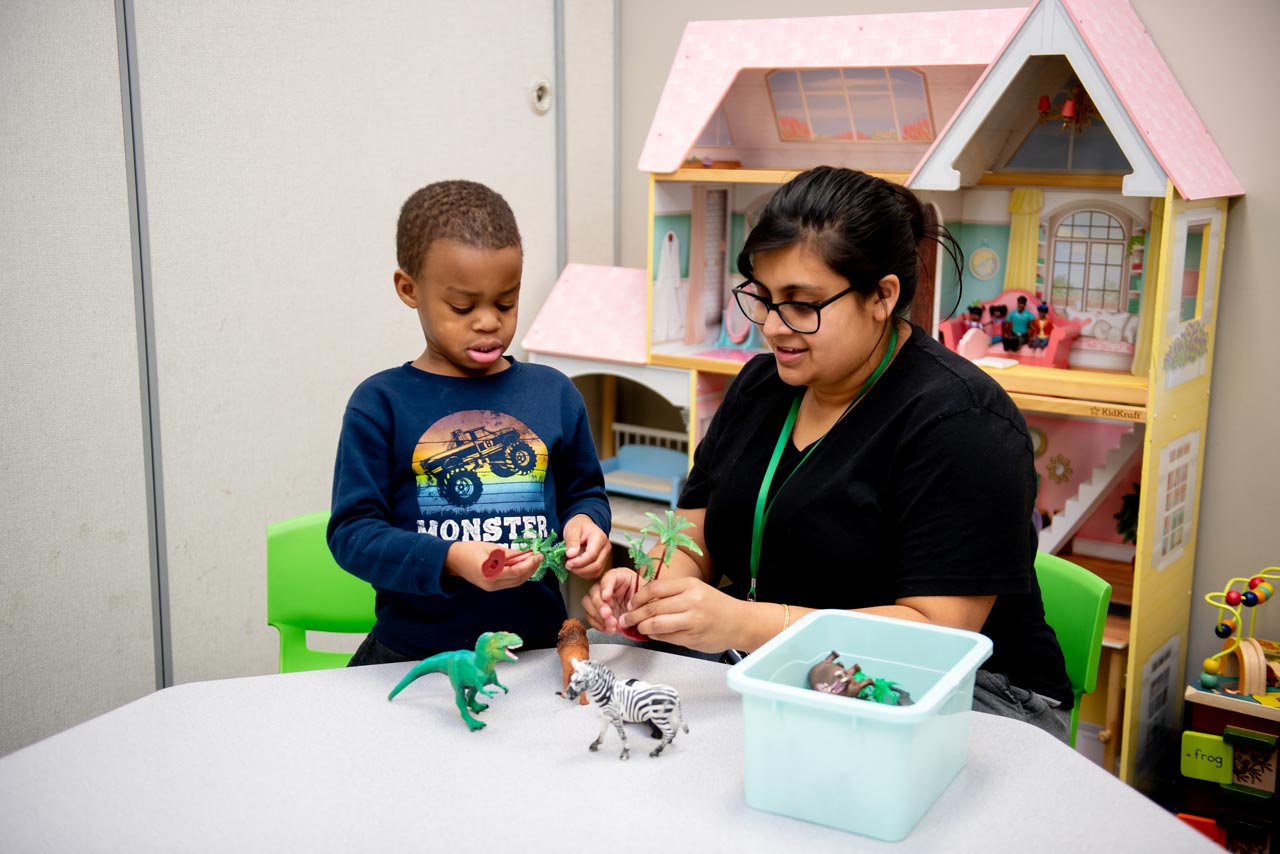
<point x="497" y="560"/>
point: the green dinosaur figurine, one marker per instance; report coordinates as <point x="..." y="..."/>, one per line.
<point x="469" y="672"/>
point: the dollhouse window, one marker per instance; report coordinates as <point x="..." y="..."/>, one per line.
<point x="1177" y="484"/>
<point x="1193" y="271"/>
<point x="850" y="104"/>
<point x="1088" y="256"/>
<point x="717" y="130"/>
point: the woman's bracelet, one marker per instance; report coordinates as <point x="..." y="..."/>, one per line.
<point x="786" y="616"/>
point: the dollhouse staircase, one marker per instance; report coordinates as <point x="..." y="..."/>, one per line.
<point x="1092" y="492"/>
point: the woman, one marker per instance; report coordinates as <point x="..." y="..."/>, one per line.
<point x="860" y="465"/>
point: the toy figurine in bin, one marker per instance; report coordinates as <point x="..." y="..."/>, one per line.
<point x="830" y="677"/>
<point x="791" y="732"/>
<point x="469" y="672"/>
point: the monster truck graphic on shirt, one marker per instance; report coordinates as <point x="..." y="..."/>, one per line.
<point x="480" y="457"/>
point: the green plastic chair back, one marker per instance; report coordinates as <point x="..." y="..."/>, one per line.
<point x="307" y="590"/>
<point x="1075" y="607"/>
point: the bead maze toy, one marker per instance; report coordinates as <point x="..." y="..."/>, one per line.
<point x="1242" y="653"/>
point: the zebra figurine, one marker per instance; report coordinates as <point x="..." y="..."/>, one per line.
<point x="632" y="701"/>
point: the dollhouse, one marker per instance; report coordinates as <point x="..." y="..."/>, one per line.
<point x="1055" y="144"/>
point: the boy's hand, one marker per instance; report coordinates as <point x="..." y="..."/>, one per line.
<point x="466" y="560"/>
<point x="609" y="598"/>
<point x="588" y="547"/>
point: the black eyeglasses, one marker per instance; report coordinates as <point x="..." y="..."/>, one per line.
<point x="802" y="317"/>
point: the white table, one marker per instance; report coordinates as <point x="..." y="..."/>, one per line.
<point x="322" y="762"/>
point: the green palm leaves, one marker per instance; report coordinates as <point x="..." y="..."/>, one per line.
<point x="669" y="536"/>
<point x="551" y="551"/>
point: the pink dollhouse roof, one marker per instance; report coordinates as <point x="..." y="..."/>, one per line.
<point x="1151" y="95"/>
<point x="594" y="313"/>
<point x="711" y="54"/>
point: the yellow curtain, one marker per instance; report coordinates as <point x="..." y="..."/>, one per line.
<point x="1025" y="204"/>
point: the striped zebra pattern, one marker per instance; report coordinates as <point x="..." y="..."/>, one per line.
<point x="632" y="701"/>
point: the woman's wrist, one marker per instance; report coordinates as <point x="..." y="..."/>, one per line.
<point x="759" y="622"/>
<point x="762" y="621"/>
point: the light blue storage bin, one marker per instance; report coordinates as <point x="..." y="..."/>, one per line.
<point x="856" y="765"/>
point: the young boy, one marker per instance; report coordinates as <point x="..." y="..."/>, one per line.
<point x="457" y="453"/>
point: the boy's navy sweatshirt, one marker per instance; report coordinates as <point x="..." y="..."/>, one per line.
<point x="426" y="460"/>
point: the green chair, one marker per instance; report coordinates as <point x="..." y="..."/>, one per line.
<point x="307" y="590"/>
<point x="1075" y="607"/>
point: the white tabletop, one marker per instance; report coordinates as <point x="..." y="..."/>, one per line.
<point x="323" y="762"/>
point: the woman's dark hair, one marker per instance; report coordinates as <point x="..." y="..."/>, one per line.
<point x="861" y="226"/>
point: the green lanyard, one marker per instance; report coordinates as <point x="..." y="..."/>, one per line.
<point x="762" y="510"/>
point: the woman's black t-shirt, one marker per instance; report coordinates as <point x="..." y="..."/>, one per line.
<point x="925" y="488"/>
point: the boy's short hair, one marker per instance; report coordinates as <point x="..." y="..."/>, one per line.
<point x="470" y="213"/>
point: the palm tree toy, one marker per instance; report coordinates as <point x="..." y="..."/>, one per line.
<point x="669" y="537"/>
<point x="551" y="551"/>
<point x="639" y="558"/>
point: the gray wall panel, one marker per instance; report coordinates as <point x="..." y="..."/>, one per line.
<point x="279" y="147"/>
<point x="75" y="582"/>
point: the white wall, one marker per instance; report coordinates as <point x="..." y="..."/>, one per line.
<point x="279" y="142"/>
<point x="590" y="139"/>
<point x="75" y="582"/>
<point x="279" y="147"/>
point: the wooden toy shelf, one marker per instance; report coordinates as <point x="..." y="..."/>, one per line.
<point x="694" y="362"/>
<point x="1090" y="394"/>
<point x="1047" y="391"/>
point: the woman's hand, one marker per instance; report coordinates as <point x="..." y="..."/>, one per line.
<point x="609" y="598"/>
<point x="691" y="613"/>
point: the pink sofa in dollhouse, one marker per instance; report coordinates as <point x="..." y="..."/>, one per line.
<point x="1106" y="341"/>
<point x="979" y="344"/>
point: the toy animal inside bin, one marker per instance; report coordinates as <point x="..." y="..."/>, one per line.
<point x="856" y="765"/>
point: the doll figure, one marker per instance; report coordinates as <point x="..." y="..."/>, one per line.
<point x="1020" y="321"/>
<point x="1001" y="328"/>
<point x="1041" y="328"/>
<point x="974" y="320"/>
